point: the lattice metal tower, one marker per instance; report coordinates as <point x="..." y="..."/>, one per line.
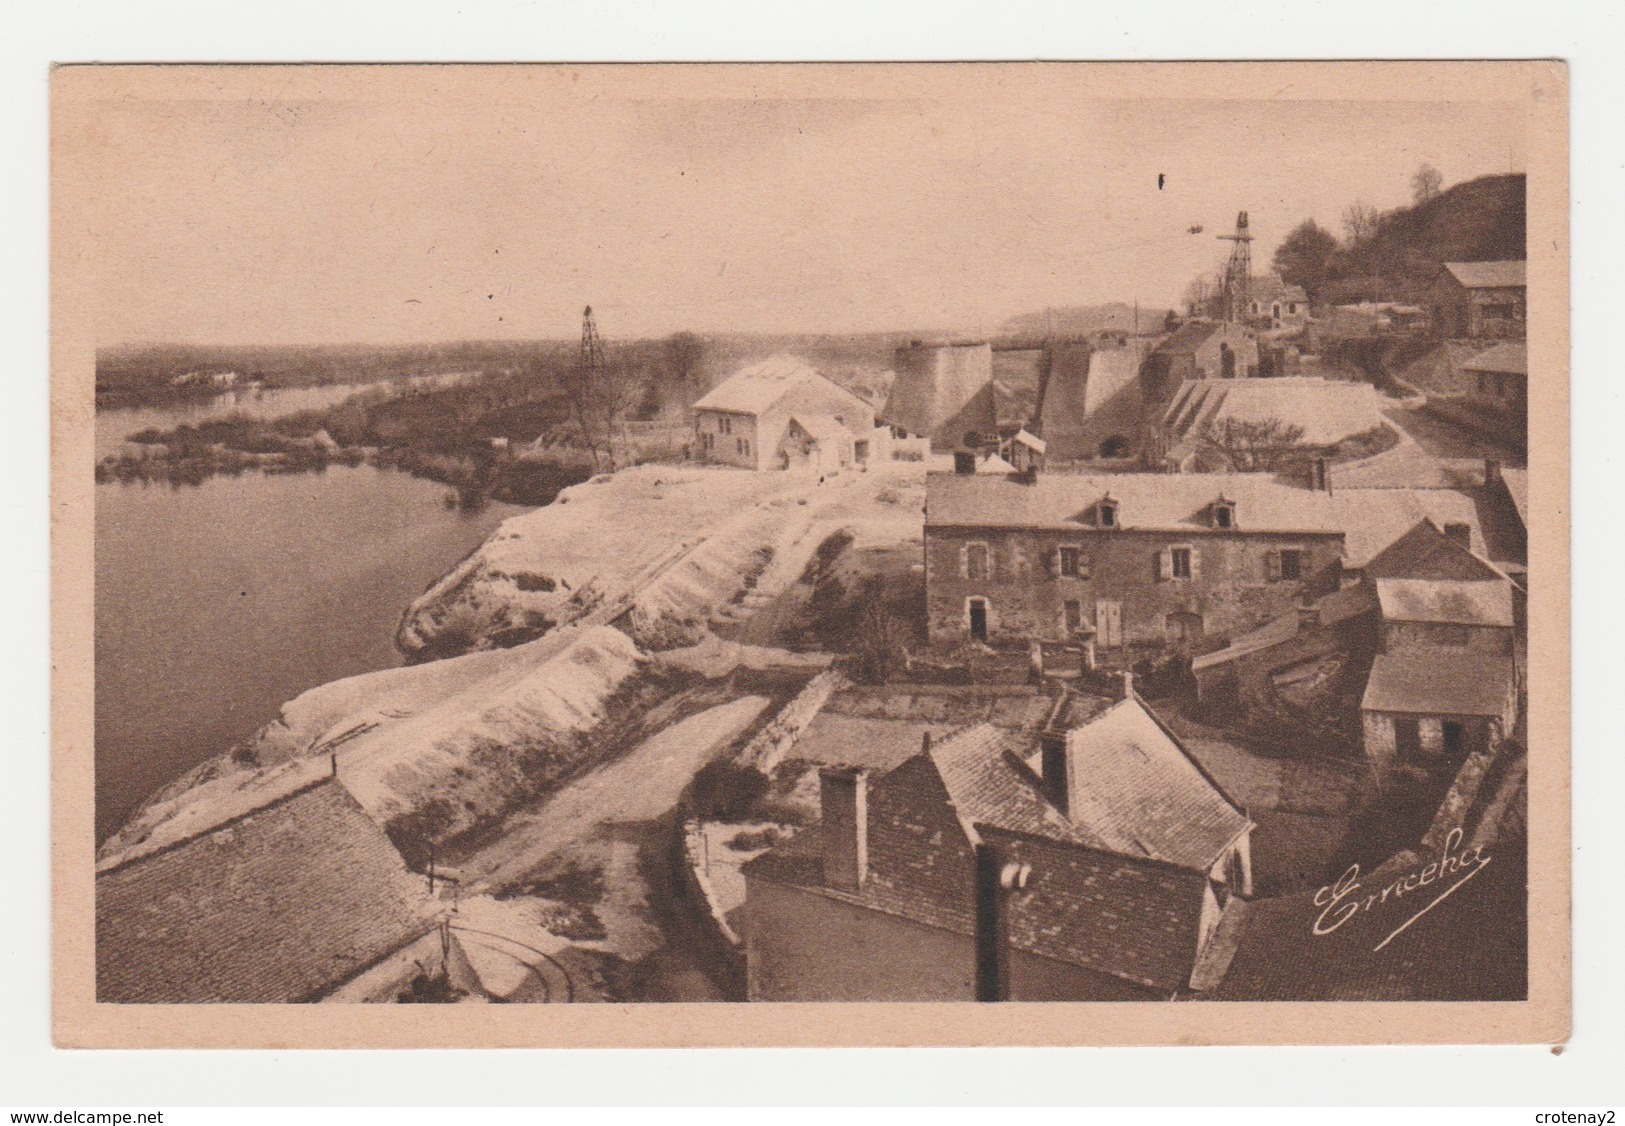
<point x="590" y="359"/>
<point x="1238" y="272"/>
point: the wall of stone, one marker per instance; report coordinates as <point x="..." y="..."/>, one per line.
<point x="1026" y="599"/>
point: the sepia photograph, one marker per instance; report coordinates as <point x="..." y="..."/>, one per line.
<point x="680" y="540"/>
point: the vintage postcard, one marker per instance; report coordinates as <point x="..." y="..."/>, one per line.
<point x="810" y="554"/>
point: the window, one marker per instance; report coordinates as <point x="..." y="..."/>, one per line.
<point x="745" y="445"/>
<point x="1291" y="307"/>
<point x="1071" y="563"/>
<point x="976" y="561"/>
<point x="725" y="424"/>
<point x="1291" y="565"/>
<point x="1179" y="562"/>
<point x="1108" y="514"/>
<point x="1224" y="515"/>
<point x="1453" y="738"/>
<point x="1072" y="616"/>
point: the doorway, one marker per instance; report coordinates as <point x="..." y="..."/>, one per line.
<point x="978" y="619"/>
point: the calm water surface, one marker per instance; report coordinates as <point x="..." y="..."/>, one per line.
<point x="216" y="603"/>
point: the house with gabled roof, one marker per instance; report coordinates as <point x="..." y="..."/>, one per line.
<point x="1427" y="710"/>
<point x="1098" y="864"/>
<point x="1182" y="559"/>
<point x="1481" y="300"/>
<point x="782" y="414"/>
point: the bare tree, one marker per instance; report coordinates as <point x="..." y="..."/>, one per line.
<point x="600" y="395"/>
<point x="1251" y="445"/>
<point x="1425" y="184"/>
<point x="1360" y="222"/>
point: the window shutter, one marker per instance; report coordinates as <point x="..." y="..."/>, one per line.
<point x="1165" y="565"/>
<point x="1054" y="562"/>
<point x="1272" y="566"/>
<point x="1196" y="564"/>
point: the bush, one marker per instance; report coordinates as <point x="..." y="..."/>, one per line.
<point x="726" y="791"/>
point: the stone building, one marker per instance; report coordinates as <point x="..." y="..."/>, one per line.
<point x="1429" y="710"/>
<point x="1481" y="301"/>
<point x="781" y="414"/>
<point x="1099" y="865"/>
<point x="1275" y="304"/>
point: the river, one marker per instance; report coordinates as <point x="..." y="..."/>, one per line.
<point x="215" y="603"/>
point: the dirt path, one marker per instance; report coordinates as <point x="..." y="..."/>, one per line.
<point x="641" y="786"/>
<point x="1447" y="441"/>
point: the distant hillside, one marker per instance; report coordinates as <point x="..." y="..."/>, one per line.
<point x="1477" y="221"/>
<point x="1082" y="320"/>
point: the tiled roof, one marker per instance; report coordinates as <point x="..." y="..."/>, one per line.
<point x="1508" y="358"/>
<point x="1486" y="603"/>
<point x="755" y="388"/>
<point x="1444" y="682"/>
<point x="1327" y="410"/>
<point x="279" y="905"/>
<point x="1488" y="275"/>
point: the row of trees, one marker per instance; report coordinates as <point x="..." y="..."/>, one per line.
<point x="1310" y="255"/>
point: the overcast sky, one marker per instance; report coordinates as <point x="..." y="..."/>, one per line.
<point x="268" y="222"/>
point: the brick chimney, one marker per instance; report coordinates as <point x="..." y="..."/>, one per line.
<point x="1055" y="769"/>
<point x="965" y="461"/>
<point x="843" y="794"/>
<point x="1460" y="534"/>
<point x="998" y="878"/>
<point x="1320" y="480"/>
<point x="1126" y="692"/>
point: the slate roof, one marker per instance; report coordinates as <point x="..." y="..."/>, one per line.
<point x="1486" y="603"/>
<point x="1369" y="519"/>
<point x="821" y="427"/>
<point x="1141" y="798"/>
<point x="1508" y="358"/>
<point x="1139" y="794"/>
<point x="754" y="389"/>
<point x="1327" y="410"/>
<point x="1443" y="682"/>
<point x="1517" y="486"/>
<point x="1188" y="337"/>
<point x="280" y="905"/>
<point x="1488" y="275"/>
<point x="1148" y="501"/>
<point x="1334" y="609"/>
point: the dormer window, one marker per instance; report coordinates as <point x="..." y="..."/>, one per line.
<point x="1108" y="513"/>
<point x="1224" y="514"/>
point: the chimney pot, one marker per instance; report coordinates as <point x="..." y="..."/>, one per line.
<point x="844" y="797"/>
<point x="1460" y="534"/>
